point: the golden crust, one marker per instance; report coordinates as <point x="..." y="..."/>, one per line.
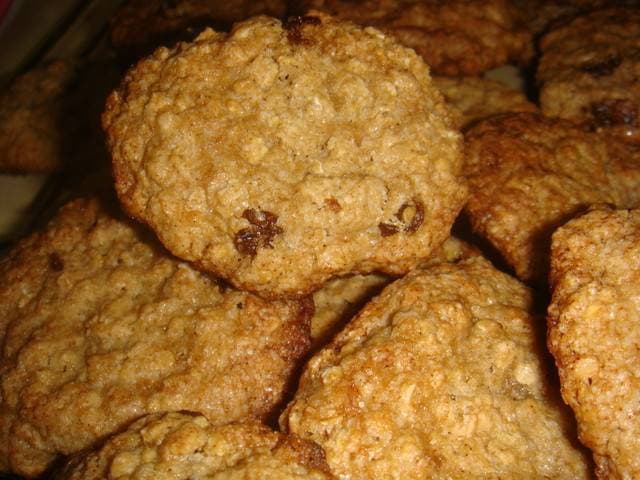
<point x="528" y="174"/>
<point x="460" y="37"/>
<point x="594" y="333"/>
<point x="181" y="446"/>
<point x="475" y="98"/>
<point x="440" y="376"/>
<point x="277" y="157"/>
<point x="99" y="325"/>
<point x="589" y="70"/>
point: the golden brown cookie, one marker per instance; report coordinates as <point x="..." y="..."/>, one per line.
<point x="440" y="376"/>
<point x="182" y="446"/>
<point x="99" y="325"/>
<point x="143" y="25"/>
<point x="455" y="37"/>
<point x="475" y="98"/>
<point x="594" y="333"/>
<point x="341" y="298"/>
<point x="528" y="174"/>
<point x="278" y="156"/>
<point x="49" y="117"/>
<point x="589" y="70"/>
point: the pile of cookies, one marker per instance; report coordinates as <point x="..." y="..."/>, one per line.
<point x="325" y="245"/>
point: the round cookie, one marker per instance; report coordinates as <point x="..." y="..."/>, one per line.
<point x="99" y="325"/>
<point x="455" y="37"/>
<point x="589" y="68"/>
<point x="528" y="174"/>
<point x="278" y="156"/>
<point x="181" y="446"/>
<point x="594" y="333"/>
<point x="440" y="376"/>
<point x="475" y="98"/>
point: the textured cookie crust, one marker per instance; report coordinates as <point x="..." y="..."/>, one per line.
<point x="341" y="298"/>
<point x="181" y="446"/>
<point x="277" y="157"/>
<point x="475" y="98"/>
<point x="594" y="333"/>
<point x="147" y="24"/>
<point x="529" y="174"/>
<point x="441" y="376"/>
<point x="455" y="37"/>
<point x="589" y="70"/>
<point x="50" y="117"/>
<point x="99" y="326"/>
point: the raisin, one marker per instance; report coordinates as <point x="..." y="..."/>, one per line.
<point x="294" y="26"/>
<point x="615" y="112"/>
<point x="259" y="234"/>
<point x="409" y="217"/>
<point x="602" y="68"/>
<point x="55" y="262"/>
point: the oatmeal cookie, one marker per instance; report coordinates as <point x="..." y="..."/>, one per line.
<point x="594" y="333"/>
<point x="474" y="98"/>
<point x="440" y="376"/>
<point x="182" y="446"/>
<point x="589" y="70"/>
<point x="529" y="174"/>
<point x="277" y="156"/>
<point x="49" y="117"/>
<point x="99" y="325"/>
<point x="143" y="25"/>
<point x="459" y="37"/>
<point x="341" y="298"/>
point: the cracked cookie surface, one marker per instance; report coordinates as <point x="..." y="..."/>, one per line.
<point x="278" y="156"/>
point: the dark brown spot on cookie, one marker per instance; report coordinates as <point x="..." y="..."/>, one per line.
<point x="388" y="229"/>
<point x="55" y="262"/>
<point x="409" y="217"/>
<point x="412" y="215"/>
<point x="333" y="204"/>
<point x="294" y="27"/>
<point x="602" y="68"/>
<point x="260" y="234"/>
<point x="615" y="112"/>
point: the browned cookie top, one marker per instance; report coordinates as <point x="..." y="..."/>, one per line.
<point x="279" y="155"/>
<point x="589" y="70"/>
<point x="529" y="174"/>
<point x="100" y="325"/>
<point x="594" y="333"/>
<point x="459" y="37"/>
<point x="441" y="376"/>
<point x="182" y="446"/>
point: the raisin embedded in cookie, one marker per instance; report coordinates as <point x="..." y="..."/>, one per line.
<point x="280" y="155"/>
<point x="100" y="325"/>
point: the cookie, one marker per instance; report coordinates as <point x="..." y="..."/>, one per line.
<point x="529" y="174"/>
<point x="594" y="333"/>
<point x="459" y="37"/>
<point x="588" y="71"/>
<point x="341" y="298"/>
<point x="99" y="325"/>
<point x="278" y="156"/>
<point x="440" y="376"/>
<point x="49" y="117"/>
<point x="143" y="25"/>
<point x="182" y="446"/>
<point x="475" y="98"/>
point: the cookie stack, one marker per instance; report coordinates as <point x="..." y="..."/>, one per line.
<point x="271" y="290"/>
